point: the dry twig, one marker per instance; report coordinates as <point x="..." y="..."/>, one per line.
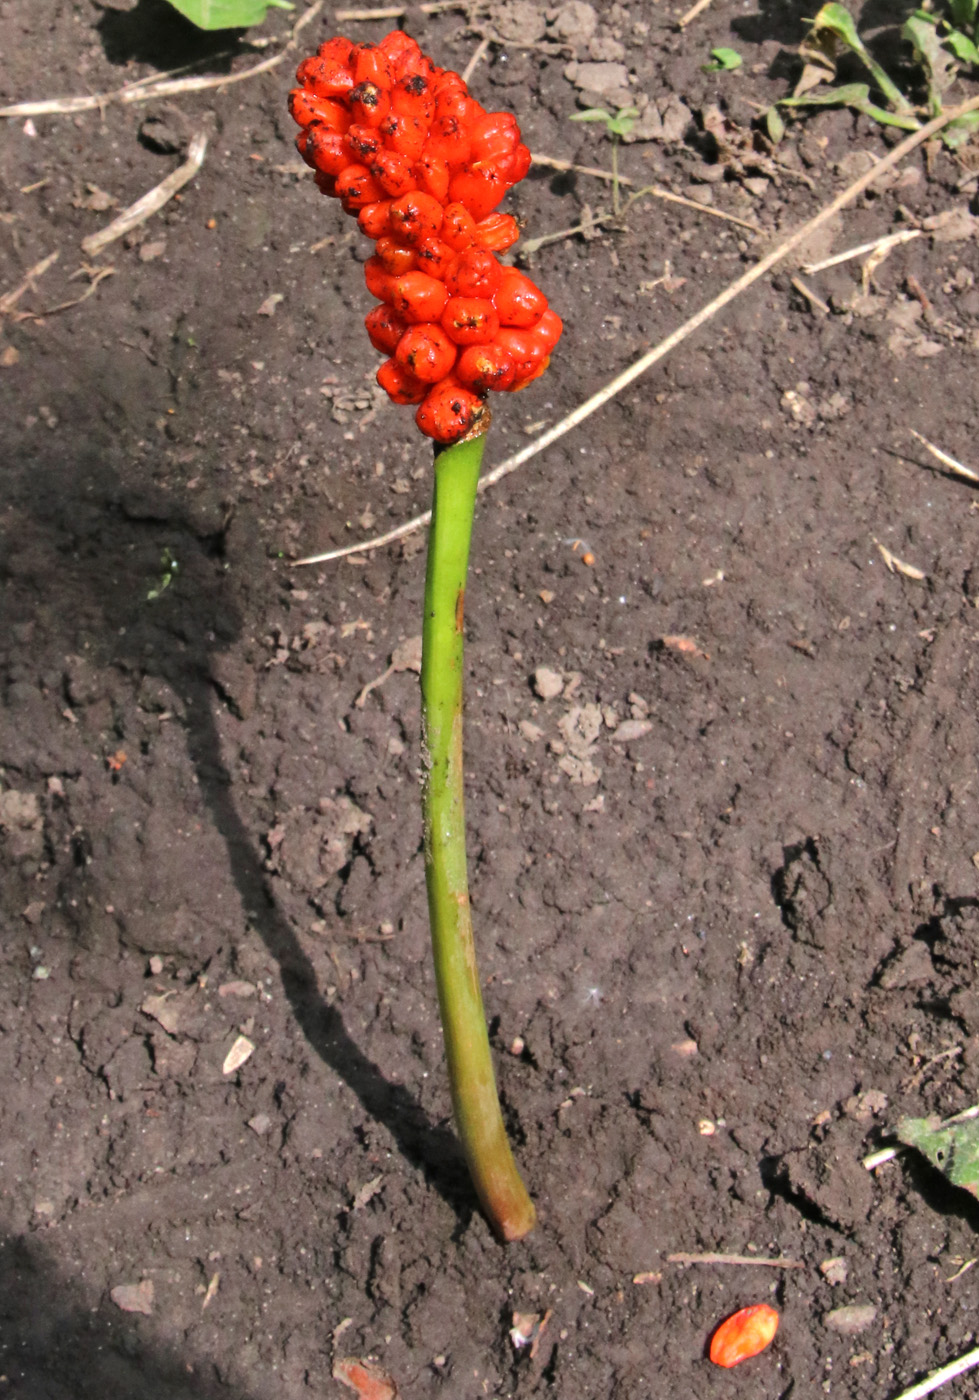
<point x="664" y="348"/>
<point x="10" y="299"/>
<point x="692" y="13"/>
<point x="150" y="202"/>
<point x="957" y="467"/>
<point x="878" y="245"/>
<point x="552" y="163"/>
<point x="146" y="89"/>
<point x="734" y="1259"/>
<point x="951" y="1372"/>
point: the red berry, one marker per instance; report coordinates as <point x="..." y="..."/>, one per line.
<point x="380" y="284"/>
<point x="525" y="352"/>
<point x="470" y="320"/>
<point x="535" y="373"/>
<point x="324" y="77"/>
<point x="547" y="331"/>
<point x="458" y="227"/>
<point x="385" y="328"/>
<point x="306" y="107"/>
<point x="400" y="384"/>
<point x="370" y="65"/>
<point x="427" y="352"/>
<point x="432" y="175"/>
<point x="323" y="149"/>
<point x="450" y="411"/>
<point x="485" y="367"/>
<point x="369" y="104"/>
<point x="517" y="300"/>
<point x="497" y="232"/>
<point x="393" y="173"/>
<point x="337" y="50"/>
<point x="480" y="189"/>
<point x="406" y="135"/>
<point x="412" y="97"/>
<point x="395" y="258"/>
<point x="474" y="273"/>
<point x="417" y="296"/>
<point x="416" y="216"/>
<point x="356" y="188"/>
<point x="397" y="45"/>
<point x="495" y="134"/>
<point x="364" y="143"/>
<point x="434" y="257"/>
<point x="373" y="219"/>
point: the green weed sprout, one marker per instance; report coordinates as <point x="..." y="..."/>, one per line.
<point x="939" y="46"/>
<point x="227" y="14"/>
<point x="617" y="126"/>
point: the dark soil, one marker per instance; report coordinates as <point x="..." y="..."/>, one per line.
<point x="735" y="946"/>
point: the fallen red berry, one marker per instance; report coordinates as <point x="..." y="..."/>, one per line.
<point x="744" y="1334"/>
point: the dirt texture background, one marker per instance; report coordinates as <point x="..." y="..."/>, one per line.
<point x="725" y="898"/>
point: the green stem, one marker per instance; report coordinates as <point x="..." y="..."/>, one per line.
<point x="474" y="1098"/>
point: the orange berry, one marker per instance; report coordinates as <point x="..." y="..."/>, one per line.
<point x="369" y="104"/>
<point x="497" y="232"/>
<point x="412" y="96"/>
<point x="495" y="134"/>
<point x="743" y="1334"/>
<point x="485" y="367"/>
<point x="548" y="330"/>
<point x="323" y="149"/>
<point x="393" y="173"/>
<point x="479" y="188"/>
<point x="434" y="257"/>
<point x="364" y="143"/>
<point x="394" y="256"/>
<point x="474" y="273"/>
<point x="470" y="320"/>
<point x="356" y="188"/>
<point x="306" y="107"/>
<point x="373" y="219"/>
<point x="406" y="135"/>
<point x="432" y="175"/>
<point x="458" y="227"/>
<point x="337" y="50"/>
<point x="400" y="384"/>
<point x="417" y="296"/>
<point x="385" y="328"/>
<point x="518" y="302"/>
<point x="416" y="216"/>
<point x="324" y="77"/>
<point x="370" y="65"/>
<point x="525" y="352"/>
<point x="449" y="411"/>
<point x="380" y="283"/>
<point x="427" y="352"/>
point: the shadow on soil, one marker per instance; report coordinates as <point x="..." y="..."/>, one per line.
<point x="97" y="543"/>
<point x="54" y="1345"/>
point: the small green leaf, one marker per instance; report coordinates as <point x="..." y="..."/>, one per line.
<point x="592" y="114"/>
<point x="952" y="1148"/>
<point x="774" y="125"/>
<point x="962" y="46"/>
<point x="725" y="61"/>
<point x="857" y="97"/>
<point x="226" y="14"/>
<point x="623" y="121"/>
<point x="837" y="20"/>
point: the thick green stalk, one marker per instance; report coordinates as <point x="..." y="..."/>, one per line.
<point x="474" y="1098"/>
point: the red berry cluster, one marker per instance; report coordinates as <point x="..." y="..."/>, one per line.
<point x="422" y="166"/>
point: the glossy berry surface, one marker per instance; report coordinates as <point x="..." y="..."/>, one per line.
<point x="423" y="168"/>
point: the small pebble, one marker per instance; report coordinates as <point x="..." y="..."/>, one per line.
<point x="548" y="684"/>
